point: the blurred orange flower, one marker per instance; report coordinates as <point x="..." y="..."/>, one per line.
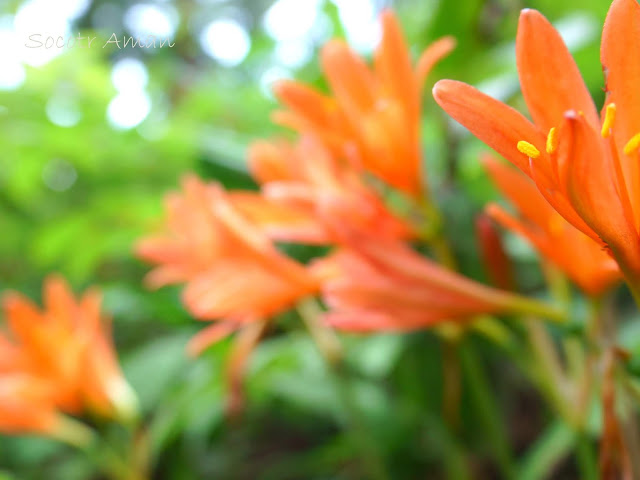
<point x="299" y="182"/>
<point x="582" y="259"/>
<point x="384" y="285"/>
<point x="586" y="167"/>
<point x="231" y="268"/>
<point x="374" y="116"/>
<point x="58" y="359"/>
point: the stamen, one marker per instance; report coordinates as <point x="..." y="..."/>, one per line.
<point x="632" y="145"/>
<point x="528" y="149"/>
<point x="609" y="119"/>
<point x="552" y="140"/>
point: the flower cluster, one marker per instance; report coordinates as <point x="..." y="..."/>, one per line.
<point x="325" y="189"/>
<point x="58" y="360"/>
<point x="585" y="165"/>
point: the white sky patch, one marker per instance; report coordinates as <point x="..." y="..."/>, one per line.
<point x="226" y="41"/>
<point x="12" y="72"/>
<point x="269" y="77"/>
<point x="293" y="53"/>
<point x="288" y="20"/>
<point x="361" y="23"/>
<point x="132" y="103"/>
<point x="129" y="74"/>
<point x="46" y="18"/>
<point x="578" y="30"/>
<point x="148" y="19"/>
<point x="63" y="111"/>
<point x="128" y="109"/>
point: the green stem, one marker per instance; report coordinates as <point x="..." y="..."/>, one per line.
<point x="370" y="454"/>
<point x="528" y="306"/>
<point x="430" y="231"/>
<point x="330" y="350"/>
<point x="487" y="409"/>
<point x="586" y="458"/>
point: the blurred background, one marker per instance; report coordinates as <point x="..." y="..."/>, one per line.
<point x="92" y="138"/>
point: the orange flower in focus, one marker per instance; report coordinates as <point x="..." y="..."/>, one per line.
<point x="58" y="359"/>
<point x="299" y="183"/>
<point x="231" y="269"/>
<point x="374" y="116"/>
<point x="582" y="259"/>
<point x="587" y="166"/>
<point x="375" y="285"/>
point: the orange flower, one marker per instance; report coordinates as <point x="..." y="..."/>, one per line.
<point x="582" y="259"/>
<point x="384" y="285"/>
<point x="60" y="358"/>
<point x="232" y="270"/>
<point x="27" y="404"/>
<point x="374" y="116"/>
<point x="586" y="167"/>
<point x="298" y="182"/>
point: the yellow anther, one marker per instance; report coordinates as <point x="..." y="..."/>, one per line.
<point x="632" y="145"/>
<point x="552" y="140"/>
<point x="528" y="149"/>
<point x="609" y="119"/>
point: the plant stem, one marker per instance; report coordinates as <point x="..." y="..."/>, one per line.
<point x="430" y="231"/>
<point x="489" y="415"/>
<point x="586" y="458"/>
<point x="330" y="349"/>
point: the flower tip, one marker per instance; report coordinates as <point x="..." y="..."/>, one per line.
<point x="124" y="400"/>
<point x="571" y="115"/>
<point x="526" y="13"/>
<point x="280" y="87"/>
<point x="441" y="88"/>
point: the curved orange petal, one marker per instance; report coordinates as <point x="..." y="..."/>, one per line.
<point x="619" y="54"/>
<point x="393" y="67"/>
<point x="351" y="80"/>
<point x="210" y="335"/>
<point x="432" y="55"/>
<point x="519" y="189"/>
<point x="303" y="99"/>
<point x="496" y="124"/>
<point x="593" y="193"/>
<point x="550" y="80"/>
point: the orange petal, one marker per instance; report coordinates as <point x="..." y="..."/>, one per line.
<point x="519" y="189"/>
<point x="246" y="342"/>
<point x="620" y="52"/>
<point x="59" y="301"/>
<point x="495" y="259"/>
<point x="393" y="66"/>
<point x="432" y="55"/>
<point x="317" y="107"/>
<point x="496" y="124"/>
<point x="268" y="162"/>
<point x="550" y="80"/>
<point x="210" y="335"/>
<point x="593" y="193"/>
<point x="351" y="80"/>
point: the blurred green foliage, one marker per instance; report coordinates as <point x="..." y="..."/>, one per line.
<point x="73" y="199"/>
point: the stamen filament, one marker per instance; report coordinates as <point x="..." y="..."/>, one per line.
<point x="528" y="149"/>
